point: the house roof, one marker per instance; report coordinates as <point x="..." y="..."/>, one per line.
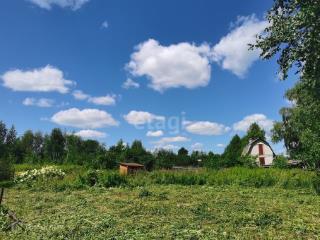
<point x="247" y="149"/>
<point x="131" y="164"/>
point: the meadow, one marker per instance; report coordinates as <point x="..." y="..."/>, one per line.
<point x="235" y="203"/>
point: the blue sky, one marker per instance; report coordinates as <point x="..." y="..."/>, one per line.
<point x="170" y="73"/>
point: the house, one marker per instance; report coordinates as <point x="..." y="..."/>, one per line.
<point x="260" y="149"/>
<point x="129" y="168"/>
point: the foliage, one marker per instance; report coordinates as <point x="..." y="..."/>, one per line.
<point x="280" y="162"/>
<point x="166" y="159"/>
<point x="294" y="36"/>
<point x="248" y="161"/>
<point x="44" y="173"/>
<point x="7" y="143"/>
<point x="232" y="152"/>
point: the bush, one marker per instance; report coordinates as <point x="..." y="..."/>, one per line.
<point x="44" y="173"/>
<point x="113" y="180"/>
<point x="280" y="162"/>
<point x="6" y="173"/>
<point x="248" y="161"/>
<point x="90" y="178"/>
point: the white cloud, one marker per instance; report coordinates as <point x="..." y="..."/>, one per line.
<point x="105" y="100"/>
<point x="105" y="24"/>
<point x="175" y="139"/>
<point x="86" y="118"/>
<point x="177" y="65"/>
<point x="232" y="52"/>
<point x="90" y="134"/>
<point x="158" y="133"/>
<point x="140" y="117"/>
<point x="47" y="4"/>
<point x="79" y="95"/>
<point x="221" y="145"/>
<point x="206" y="128"/>
<point x="46" y="79"/>
<point x="129" y="83"/>
<point x="42" y="102"/>
<point x="169" y="147"/>
<point x="197" y="147"/>
<point x="260" y="119"/>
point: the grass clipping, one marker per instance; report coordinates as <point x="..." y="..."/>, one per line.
<point x="8" y="220"/>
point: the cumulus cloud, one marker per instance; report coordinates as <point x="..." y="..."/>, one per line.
<point x="129" y="83"/>
<point x="42" y="102"/>
<point x="86" y="118"/>
<point x="158" y="133"/>
<point x="232" y="52"/>
<point x="206" y="128"/>
<point x="47" y="4"/>
<point x="169" y="147"/>
<point x="260" y="119"/>
<point x="46" y="79"/>
<point x="105" y="100"/>
<point x="197" y="147"/>
<point x="177" y="65"/>
<point x="79" y="95"/>
<point x="140" y="117"/>
<point x="90" y="134"/>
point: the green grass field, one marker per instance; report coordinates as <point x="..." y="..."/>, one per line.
<point x="167" y="211"/>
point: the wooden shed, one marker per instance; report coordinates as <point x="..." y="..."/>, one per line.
<point x="129" y="168"/>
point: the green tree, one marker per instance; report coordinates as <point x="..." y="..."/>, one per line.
<point x="294" y="36"/>
<point x="165" y="159"/>
<point x="213" y="161"/>
<point x="38" y="146"/>
<point x="137" y="153"/>
<point x="232" y="153"/>
<point x="74" y="149"/>
<point x="7" y="138"/>
<point x="183" y="158"/>
<point x="254" y="132"/>
<point x="56" y="146"/>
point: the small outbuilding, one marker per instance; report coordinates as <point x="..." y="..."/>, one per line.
<point x="262" y="150"/>
<point x="129" y="168"/>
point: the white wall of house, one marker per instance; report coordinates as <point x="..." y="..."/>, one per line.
<point x="267" y="153"/>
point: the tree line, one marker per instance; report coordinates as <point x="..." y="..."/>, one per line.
<point x="59" y="147"/>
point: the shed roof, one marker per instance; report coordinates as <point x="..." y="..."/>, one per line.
<point x="131" y="164"/>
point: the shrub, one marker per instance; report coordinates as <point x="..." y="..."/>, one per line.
<point x="90" y="178"/>
<point x="280" y="162"/>
<point x="44" y="173"/>
<point x="113" y="180"/>
<point x="248" y="161"/>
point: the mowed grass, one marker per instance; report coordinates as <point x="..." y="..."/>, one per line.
<point x="166" y="212"/>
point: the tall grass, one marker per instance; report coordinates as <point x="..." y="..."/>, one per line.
<point x="79" y="177"/>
